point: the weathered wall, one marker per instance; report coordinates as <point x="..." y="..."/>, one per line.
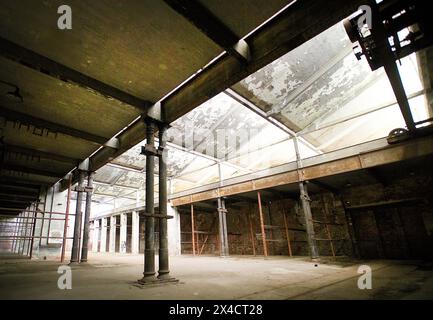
<point x="403" y="228"/>
<point x="244" y="229"/>
<point x="389" y="227"/>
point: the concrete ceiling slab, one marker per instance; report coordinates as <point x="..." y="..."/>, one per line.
<point x="141" y="47"/>
<point x="33" y="138"/>
<point x="65" y="104"/>
<point x="243" y="16"/>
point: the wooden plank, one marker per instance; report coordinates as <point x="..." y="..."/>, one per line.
<point x="286" y="229"/>
<point x="262" y="224"/>
<point x="250" y="224"/>
<point x="328" y="231"/>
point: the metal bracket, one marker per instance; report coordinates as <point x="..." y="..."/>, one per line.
<point x="158" y="216"/>
<point x="150" y="150"/>
<point x="80" y="189"/>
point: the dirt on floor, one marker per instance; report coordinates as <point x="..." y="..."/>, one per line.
<point x="114" y="276"/>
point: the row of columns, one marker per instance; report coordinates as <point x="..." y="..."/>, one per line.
<point x="100" y="233"/>
<point x="149" y="252"/>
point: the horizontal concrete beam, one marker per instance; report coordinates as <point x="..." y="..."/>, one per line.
<point x="362" y="160"/>
<point x="54" y="127"/>
<point x="54" y="69"/>
<point x="39" y="172"/>
<point x="40" y="154"/>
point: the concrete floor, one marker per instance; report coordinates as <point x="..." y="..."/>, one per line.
<point x="113" y="276"/>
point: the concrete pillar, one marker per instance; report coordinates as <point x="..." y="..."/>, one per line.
<point x="86" y="228"/>
<point x="103" y="246"/>
<point x="96" y="232"/>
<point x="75" y="253"/>
<point x="173" y="231"/>
<point x="112" y="242"/>
<point x="123" y="230"/>
<point x="135" y="237"/>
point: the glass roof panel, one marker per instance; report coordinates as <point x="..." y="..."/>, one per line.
<point x="365" y="128"/>
<point x="320" y="90"/>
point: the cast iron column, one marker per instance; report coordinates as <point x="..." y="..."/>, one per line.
<point x="224" y="251"/>
<point x="85" y="249"/>
<point x="149" y="251"/>
<point x="77" y="225"/>
<point x="163" y="272"/>
<point x="305" y="202"/>
<point x="311" y="237"/>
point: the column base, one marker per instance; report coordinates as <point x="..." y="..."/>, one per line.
<point x="155" y="281"/>
<point x="148" y="278"/>
<point x="164" y="275"/>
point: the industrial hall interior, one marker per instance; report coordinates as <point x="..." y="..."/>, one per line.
<point x="216" y="149"/>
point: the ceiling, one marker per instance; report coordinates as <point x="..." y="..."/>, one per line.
<point x="65" y="93"/>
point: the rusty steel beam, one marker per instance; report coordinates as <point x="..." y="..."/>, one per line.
<point x="373" y="158"/>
